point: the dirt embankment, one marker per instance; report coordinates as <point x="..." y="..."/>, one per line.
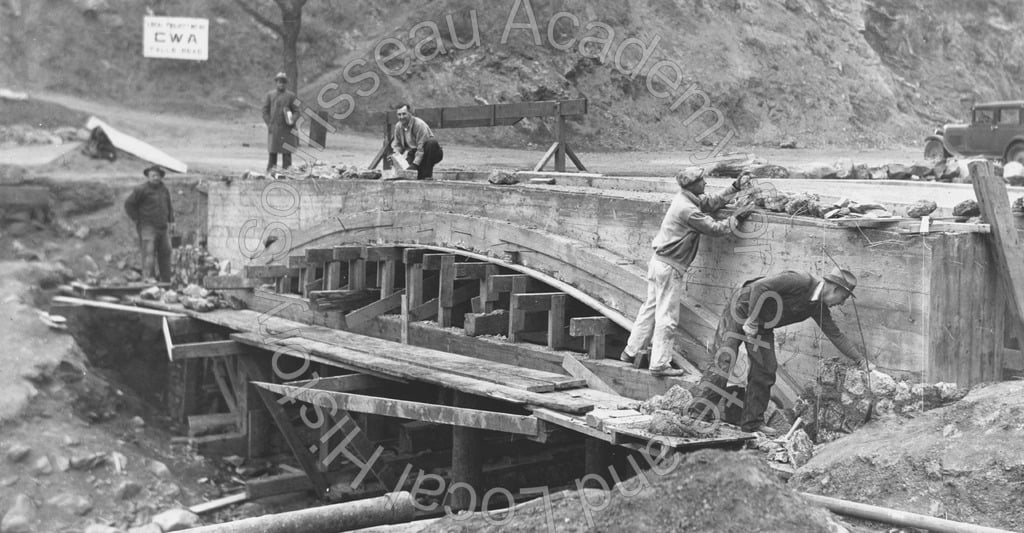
<point x="707" y="491"/>
<point x="962" y="462"/>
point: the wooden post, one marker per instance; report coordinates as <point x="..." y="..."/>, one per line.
<point x="593" y="330"/>
<point x="994" y="203"/>
<point x="556" y="322"/>
<point x="467" y="459"/>
<point x="445" y="291"/>
<point x="413" y="259"/>
<point x="560" y="139"/>
<point x="516" y="318"/>
<point x="598" y="454"/>
<point x="386" y="272"/>
<point x="405" y="318"/>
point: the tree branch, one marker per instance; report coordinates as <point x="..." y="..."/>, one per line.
<point x="276" y="28"/>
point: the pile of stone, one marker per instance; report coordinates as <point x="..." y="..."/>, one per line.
<point x="810" y="205"/>
<point x="845" y="398"/>
<point x="669" y="416"/>
<point x="949" y="170"/>
<point x="192" y="297"/>
<point x="23" y="134"/>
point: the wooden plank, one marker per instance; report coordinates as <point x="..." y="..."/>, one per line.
<point x="168" y="337"/>
<point x="115" y="307"/>
<point x="346" y="383"/>
<point x="280" y="484"/>
<point x="392" y="368"/>
<point x="214" y="283"/>
<point x="219" y="374"/>
<point x="384" y="253"/>
<point x="636" y="384"/>
<point x="219" y="503"/>
<point x="575" y="423"/>
<point x="546" y="157"/>
<point x="342" y="300"/>
<point x="386" y="304"/>
<point x="349" y="253"/>
<point x="284" y="424"/>
<point x="203" y="424"/>
<point x="493" y="323"/>
<point x="265" y="271"/>
<point x="591" y="325"/>
<point x="472" y="270"/>
<point x="994" y="203"/>
<point x="316" y="256"/>
<point x="333" y="276"/>
<point x="577" y="370"/>
<point x="199" y="350"/>
<point x="438" y="414"/>
<point x="535" y="301"/>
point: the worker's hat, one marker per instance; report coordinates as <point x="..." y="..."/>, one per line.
<point x="156" y="168"/>
<point x="689" y="175"/>
<point x="280" y="76"/>
<point x="843" y="278"/>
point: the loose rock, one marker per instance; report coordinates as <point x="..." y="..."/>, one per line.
<point x="17" y="453"/>
<point x="20" y="516"/>
<point x="159" y="469"/>
<point x="148" y="528"/>
<point x="73" y="503"/>
<point x="42" y="466"/>
<point x="127" y="490"/>
<point x="921" y="208"/>
<point x="176" y="520"/>
<point x="966" y="209"/>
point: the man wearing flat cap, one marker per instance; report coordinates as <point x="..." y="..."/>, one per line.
<point x="280" y="111"/>
<point x="149" y="206"/>
<point x="675" y="247"/>
<point x="758" y="307"/>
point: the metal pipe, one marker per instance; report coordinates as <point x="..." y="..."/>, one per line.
<point x="393" y="508"/>
<point x="898" y="518"/>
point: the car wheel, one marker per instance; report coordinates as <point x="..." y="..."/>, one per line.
<point x="1015" y="153"/>
<point x="934" y="150"/>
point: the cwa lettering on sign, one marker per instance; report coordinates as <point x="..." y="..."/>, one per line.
<point x="176" y="38"/>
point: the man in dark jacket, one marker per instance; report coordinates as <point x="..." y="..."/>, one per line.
<point x="149" y="206"/>
<point x="755" y="310"/>
<point x="280" y="111"/>
<point x="414" y="140"/>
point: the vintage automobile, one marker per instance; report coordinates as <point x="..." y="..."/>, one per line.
<point x="996" y="130"/>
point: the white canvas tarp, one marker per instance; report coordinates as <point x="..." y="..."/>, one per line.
<point x="140" y="149"/>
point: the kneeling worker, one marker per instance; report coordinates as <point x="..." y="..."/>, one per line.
<point x="755" y="310"/>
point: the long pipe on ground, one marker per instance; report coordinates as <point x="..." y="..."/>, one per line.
<point x="898" y="518"/>
<point x="388" y="509"/>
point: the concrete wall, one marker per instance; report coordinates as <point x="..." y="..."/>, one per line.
<point x="599" y="243"/>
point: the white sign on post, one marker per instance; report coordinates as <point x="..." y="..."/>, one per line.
<point x="176" y="38"/>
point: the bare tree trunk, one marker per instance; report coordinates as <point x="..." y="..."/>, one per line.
<point x="291" y="25"/>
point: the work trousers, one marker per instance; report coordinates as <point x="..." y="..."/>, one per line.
<point x="154" y="243"/>
<point x="658" y="317"/>
<point x="286" y="160"/>
<point x="432" y="155"/>
<point x="760" y="377"/>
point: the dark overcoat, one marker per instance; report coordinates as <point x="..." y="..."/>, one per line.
<point x="279" y="132"/>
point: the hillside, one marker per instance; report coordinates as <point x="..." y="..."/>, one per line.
<point x="856" y="74"/>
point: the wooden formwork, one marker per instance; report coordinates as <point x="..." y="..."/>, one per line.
<point x="595" y="244"/>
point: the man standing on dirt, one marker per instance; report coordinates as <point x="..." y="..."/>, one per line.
<point x="758" y="307"/>
<point x="149" y="206"/>
<point x="280" y="111"/>
<point x="415" y="141"/>
<point x="675" y="247"/>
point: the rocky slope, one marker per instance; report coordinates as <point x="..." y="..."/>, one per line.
<point x="863" y="73"/>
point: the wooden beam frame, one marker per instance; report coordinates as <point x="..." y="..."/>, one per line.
<point x="593" y="329"/>
<point x="427" y="412"/>
<point x="551" y="302"/>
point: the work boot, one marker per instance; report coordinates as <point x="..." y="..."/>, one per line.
<point x="667" y="371"/>
<point x="626" y="358"/>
